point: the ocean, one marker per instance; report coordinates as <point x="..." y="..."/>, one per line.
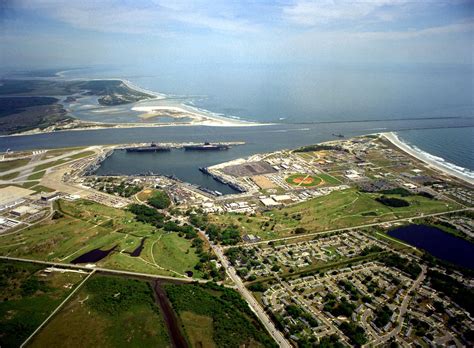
<point x="430" y="108"/>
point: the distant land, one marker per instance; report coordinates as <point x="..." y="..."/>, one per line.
<point x="37" y="104"/>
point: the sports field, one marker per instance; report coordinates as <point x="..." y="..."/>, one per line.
<point x="303" y="180"/>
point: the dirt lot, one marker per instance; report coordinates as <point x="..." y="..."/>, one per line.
<point x="263" y="182"/>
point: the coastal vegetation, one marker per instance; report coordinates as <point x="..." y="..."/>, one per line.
<point x="226" y="316"/>
<point x="111" y="311"/>
<point x="24" y="106"/>
<point x="19" y="114"/>
<point x="27" y="298"/>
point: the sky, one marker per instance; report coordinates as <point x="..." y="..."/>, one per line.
<point x="68" y="33"/>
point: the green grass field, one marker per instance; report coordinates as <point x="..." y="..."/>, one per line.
<point x="107" y="312"/>
<point x="9" y="165"/>
<point x="10" y="176"/>
<point x="27" y="298"/>
<point x="340" y="209"/>
<point x="37" y="175"/>
<point x="85" y="226"/>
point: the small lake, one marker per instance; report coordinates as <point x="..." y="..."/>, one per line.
<point x="438" y="243"/>
<point x="93" y="256"/>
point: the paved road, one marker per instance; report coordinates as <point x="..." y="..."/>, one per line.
<point x="33" y="164"/>
<point x="57" y="309"/>
<point x="247" y="295"/>
<point x="403" y="310"/>
<point x="356" y="227"/>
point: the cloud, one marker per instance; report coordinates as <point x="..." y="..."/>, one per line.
<point x="141" y="17"/>
<point x="320" y="12"/>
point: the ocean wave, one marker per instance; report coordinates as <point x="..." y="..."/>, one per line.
<point x="439" y="160"/>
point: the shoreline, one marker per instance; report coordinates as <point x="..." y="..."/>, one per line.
<point x="424" y="157"/>
<point x="199" y="116"/>
<point x="102" y="126"/>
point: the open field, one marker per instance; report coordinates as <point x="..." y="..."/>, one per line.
<point x="37" y="175"/>
<point x="9" y="176"/>
<point x="216" y="316"/>
<point x="199" y="329"/>
<point x="9" y="165"/>
<point x="144" y="195"/>
<point x="28" y="298"/>
<point x="82" y="226"/>
<point x="112" y="312"/>
<point x="339" y="209"/>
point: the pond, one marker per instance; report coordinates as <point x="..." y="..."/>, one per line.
<point x="438" y="243"/>
<point x="93" y="256"/>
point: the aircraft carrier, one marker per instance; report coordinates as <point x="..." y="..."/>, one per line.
<point x="206" y="147"/>
<point x="151" y="148"/>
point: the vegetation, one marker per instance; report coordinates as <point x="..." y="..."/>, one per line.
<point x="111" y="312"/>
<point x="122" y="188"/>
<point x="228" y="235"/>
<point x="410" y="267"/>
<point x="319" y="147"/>
<point x="37" y="175"/>
<point x="27" y="298"/>
<point x="18" y="114"/>
<point x="147" y="215"/>
<point x="382" y="316"/>
<point x="354" y="332"/>
<point x="457" y="291"/>
<point x="81" y="226"/>
<point x="338" y="308"/>
<point x="340" y="209"/>
<point x="159" y="200"/>
<point x="13" y="164"/>
<point x="233" y="323"/>
<point x="392" y="202"/>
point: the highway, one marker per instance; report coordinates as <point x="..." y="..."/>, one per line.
<point x="105" y="270"/>
<point x="247" y="295"/>
<point x="355" y="227"/>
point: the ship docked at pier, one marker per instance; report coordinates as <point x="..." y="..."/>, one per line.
<point x="150" y="148"/>
<point x="206" y="147"/>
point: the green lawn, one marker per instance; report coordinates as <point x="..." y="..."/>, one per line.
<point x="36" y="176"/>
<point x="107" y="312"/>
<point x="9" y="165"/>
<point x="328" y="179"/>
<point x="9" y="176"/>
<point x="27" y="298"/>
<point x="340" y="209"/>
<point x="85" y="226"/>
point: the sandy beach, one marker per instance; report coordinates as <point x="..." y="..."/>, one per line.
<point x="198" y="118"/>
<point x="440" y="166"/>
